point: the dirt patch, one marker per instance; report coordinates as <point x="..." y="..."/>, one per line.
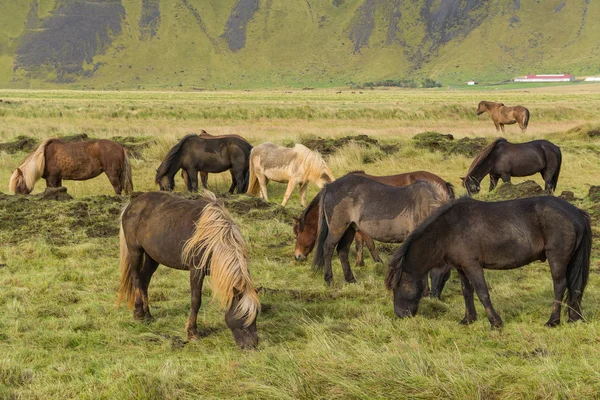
<point x="235" y="27"/>
<point x="508" y="191"/>
<point x="58" y="194"/>
<point x="594" y="194"/>
<point x="19" y="144"/>
<point x="327" y="146"/>
<point x="445" y="143"/>
<point x="567" y="195"/>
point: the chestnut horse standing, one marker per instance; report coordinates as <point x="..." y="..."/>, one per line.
<point x="502" y="115"/>
<point x="55" y="160"/>
<point x="306" y="226"/>
<point x="194" y="235"/>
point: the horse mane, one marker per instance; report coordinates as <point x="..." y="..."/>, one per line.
<point x="165" y="165"/>
<point x="312" y="204"/>
<point x="420" y="210"/>
<point x="32" y="168"/>
<point x="483" y="155"/>
<point x="312" y="163"/>
<point x="219" y="244"/>
<point x="394" y="272"/>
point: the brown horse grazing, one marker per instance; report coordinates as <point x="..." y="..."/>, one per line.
<point x="502" y="115"/>
<point x="204" y="175"/>
<point x="195" y="235"/>
<point x="55" y="160"/>
<point x="385" y="213"/>
<point x="194" y="154"/>
<point x="474" y="235"/>
<point x="502" y="159"/>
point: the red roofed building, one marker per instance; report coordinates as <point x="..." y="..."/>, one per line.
<point x="546" y="78"/>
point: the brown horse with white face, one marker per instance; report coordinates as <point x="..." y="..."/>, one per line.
<point x="194" y="235"/>
<point x="503" y="115"/>
<point x="55" y="160"/>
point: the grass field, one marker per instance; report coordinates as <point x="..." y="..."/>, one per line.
<point x="61" y="335"/>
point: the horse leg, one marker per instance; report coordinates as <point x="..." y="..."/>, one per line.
<point x="359" y="243"/>
<point x="115" y="180"/>
<point x="233" y="182"/>
<point x="196" y="282"/>
<point x="502" y="127"/>
<point x="505" y="177"/>
<point x="497" y="125"/>
<point x="146" y="273"/>
<point x="493" y="181"/>
<point x="288" y="192"/>
<point x="239" y="181"/>
<point x="53" y="181"/>
<point x="558" y="269"/>
<point x="467" y="291"/>
<point x="135" y="267"/>
<point x="303" y="187"/>
<point x="193" y="180"/>
<point x="475" y="274"/>
<point x="547" y="177"/>
<point x="343" y="249"/>
<point x="439" y="277"/>
<point x="330" y="244"/>
<point x="262" y="182"/>
<point x="204" y="179"/>
<point x="371" y="246"/>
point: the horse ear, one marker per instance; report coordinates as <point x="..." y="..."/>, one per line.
<point x="462" y="178"/>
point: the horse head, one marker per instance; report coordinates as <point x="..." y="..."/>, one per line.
<point x="164" y="182"/>
<point x="471" y="184"/>
<point x="481" y="108"/>
<point x="305" y="240"/>
<point x="407" y="294"/>
<point x="17" y="183"/>
<point x="244" y="332"/>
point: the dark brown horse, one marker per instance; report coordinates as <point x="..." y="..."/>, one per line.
<point x="55" y="160"/>
<point x="204" y="175"/>
<point x="305" y="227"/>
<point x="384" y="213"/>
<point x="503" y="115"/>
<point x="502" y="159"/>
<point x="194" y="154"/>
<point x="193" y="235"/>
<point x="472" y="235"/>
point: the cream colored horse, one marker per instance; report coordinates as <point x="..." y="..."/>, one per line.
<point x="296" y="166"/>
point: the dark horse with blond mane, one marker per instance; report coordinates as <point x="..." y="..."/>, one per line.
<point x="502" y="159"/>
<point x="385" y="213"/>
<point x="194" y="154"/>
<point x="195" y="235"/>
<point x="472" y="235"/>
<point x="55" y="160"/>
<point x="503" y="115"/>
<point x="306" y="226"/>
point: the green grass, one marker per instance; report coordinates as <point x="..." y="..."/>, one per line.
<point x="61" y="335"/>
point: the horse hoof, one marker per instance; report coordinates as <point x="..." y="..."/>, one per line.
<point x="496" y="325"/>
<point x="553" y="324"/>
<point x="193" y="336"/>
<point x="467" y="321"/>
<point x="353" y="280"/>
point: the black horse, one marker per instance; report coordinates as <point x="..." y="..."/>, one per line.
<point x="471" y="235"/>
<point x="384" y="213"/>
<point x="194" y="154"/>
<point x="502" y="160"/>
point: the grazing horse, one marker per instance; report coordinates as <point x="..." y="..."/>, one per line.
<point x="195" y="235"/>
<point x="384" y="213"/>
<point x="502" y="159"/>
<point x="204" y="175"/>
<point x="55" y="160"/>
<point x="194" y="154"/>
<point x="472" y="235"/>
<point x="298" y="165"/>
<point x="305" y="227"/>
<point x="502" y="115"/>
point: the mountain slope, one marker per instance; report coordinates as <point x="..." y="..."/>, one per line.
<point x="251" y="43"/>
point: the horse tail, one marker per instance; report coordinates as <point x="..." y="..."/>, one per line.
<point x="554" y="180"/>
<point x="126" y="290"/>
<point x="253" y="185"/>
<point x="578" y="269"/>
<point x="31" y="170"/>
<point x="323" y="232"/>
<point x="526" y="122"/>
<point x="450" y="189"/>
<point x="126" y="178"/>
<point x="217" y="247"/>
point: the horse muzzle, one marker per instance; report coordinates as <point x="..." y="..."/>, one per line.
<point x="299" y="256"/>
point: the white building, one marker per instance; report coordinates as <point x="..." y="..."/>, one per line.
<point x="546" y="78"/>
<point x="592" y="79"/>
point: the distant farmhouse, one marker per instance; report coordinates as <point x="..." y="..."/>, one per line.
<point x="546" y="78"/>
<point x="472" y="82"/>
<point x="592" y="79"/>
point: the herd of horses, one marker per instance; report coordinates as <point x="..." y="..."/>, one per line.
<point x="418" y="209"/>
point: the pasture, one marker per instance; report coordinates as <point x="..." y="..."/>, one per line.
<point x="61" y="335"/>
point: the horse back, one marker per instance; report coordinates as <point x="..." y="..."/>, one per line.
<point x="81" y="160"/>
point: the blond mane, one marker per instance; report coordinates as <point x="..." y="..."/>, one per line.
<point x="483" y="155"/>
<point x="312" y="163"/>
<point x="217" y="246"/>
<point x="31" y="169"/>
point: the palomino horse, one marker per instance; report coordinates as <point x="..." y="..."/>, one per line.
<point x="502" y="115"/>
<point x="305" y="227"/>
<point x="194" y="154"/>
<point x="385" y="213"/>
<point x="55" y="160"/>
<point x="298" y="165"/>
<point x="472" y="235"/>
<point x="204" y="175"/>
<point x="502" y="160"/>
<point x="195" y="235"/>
